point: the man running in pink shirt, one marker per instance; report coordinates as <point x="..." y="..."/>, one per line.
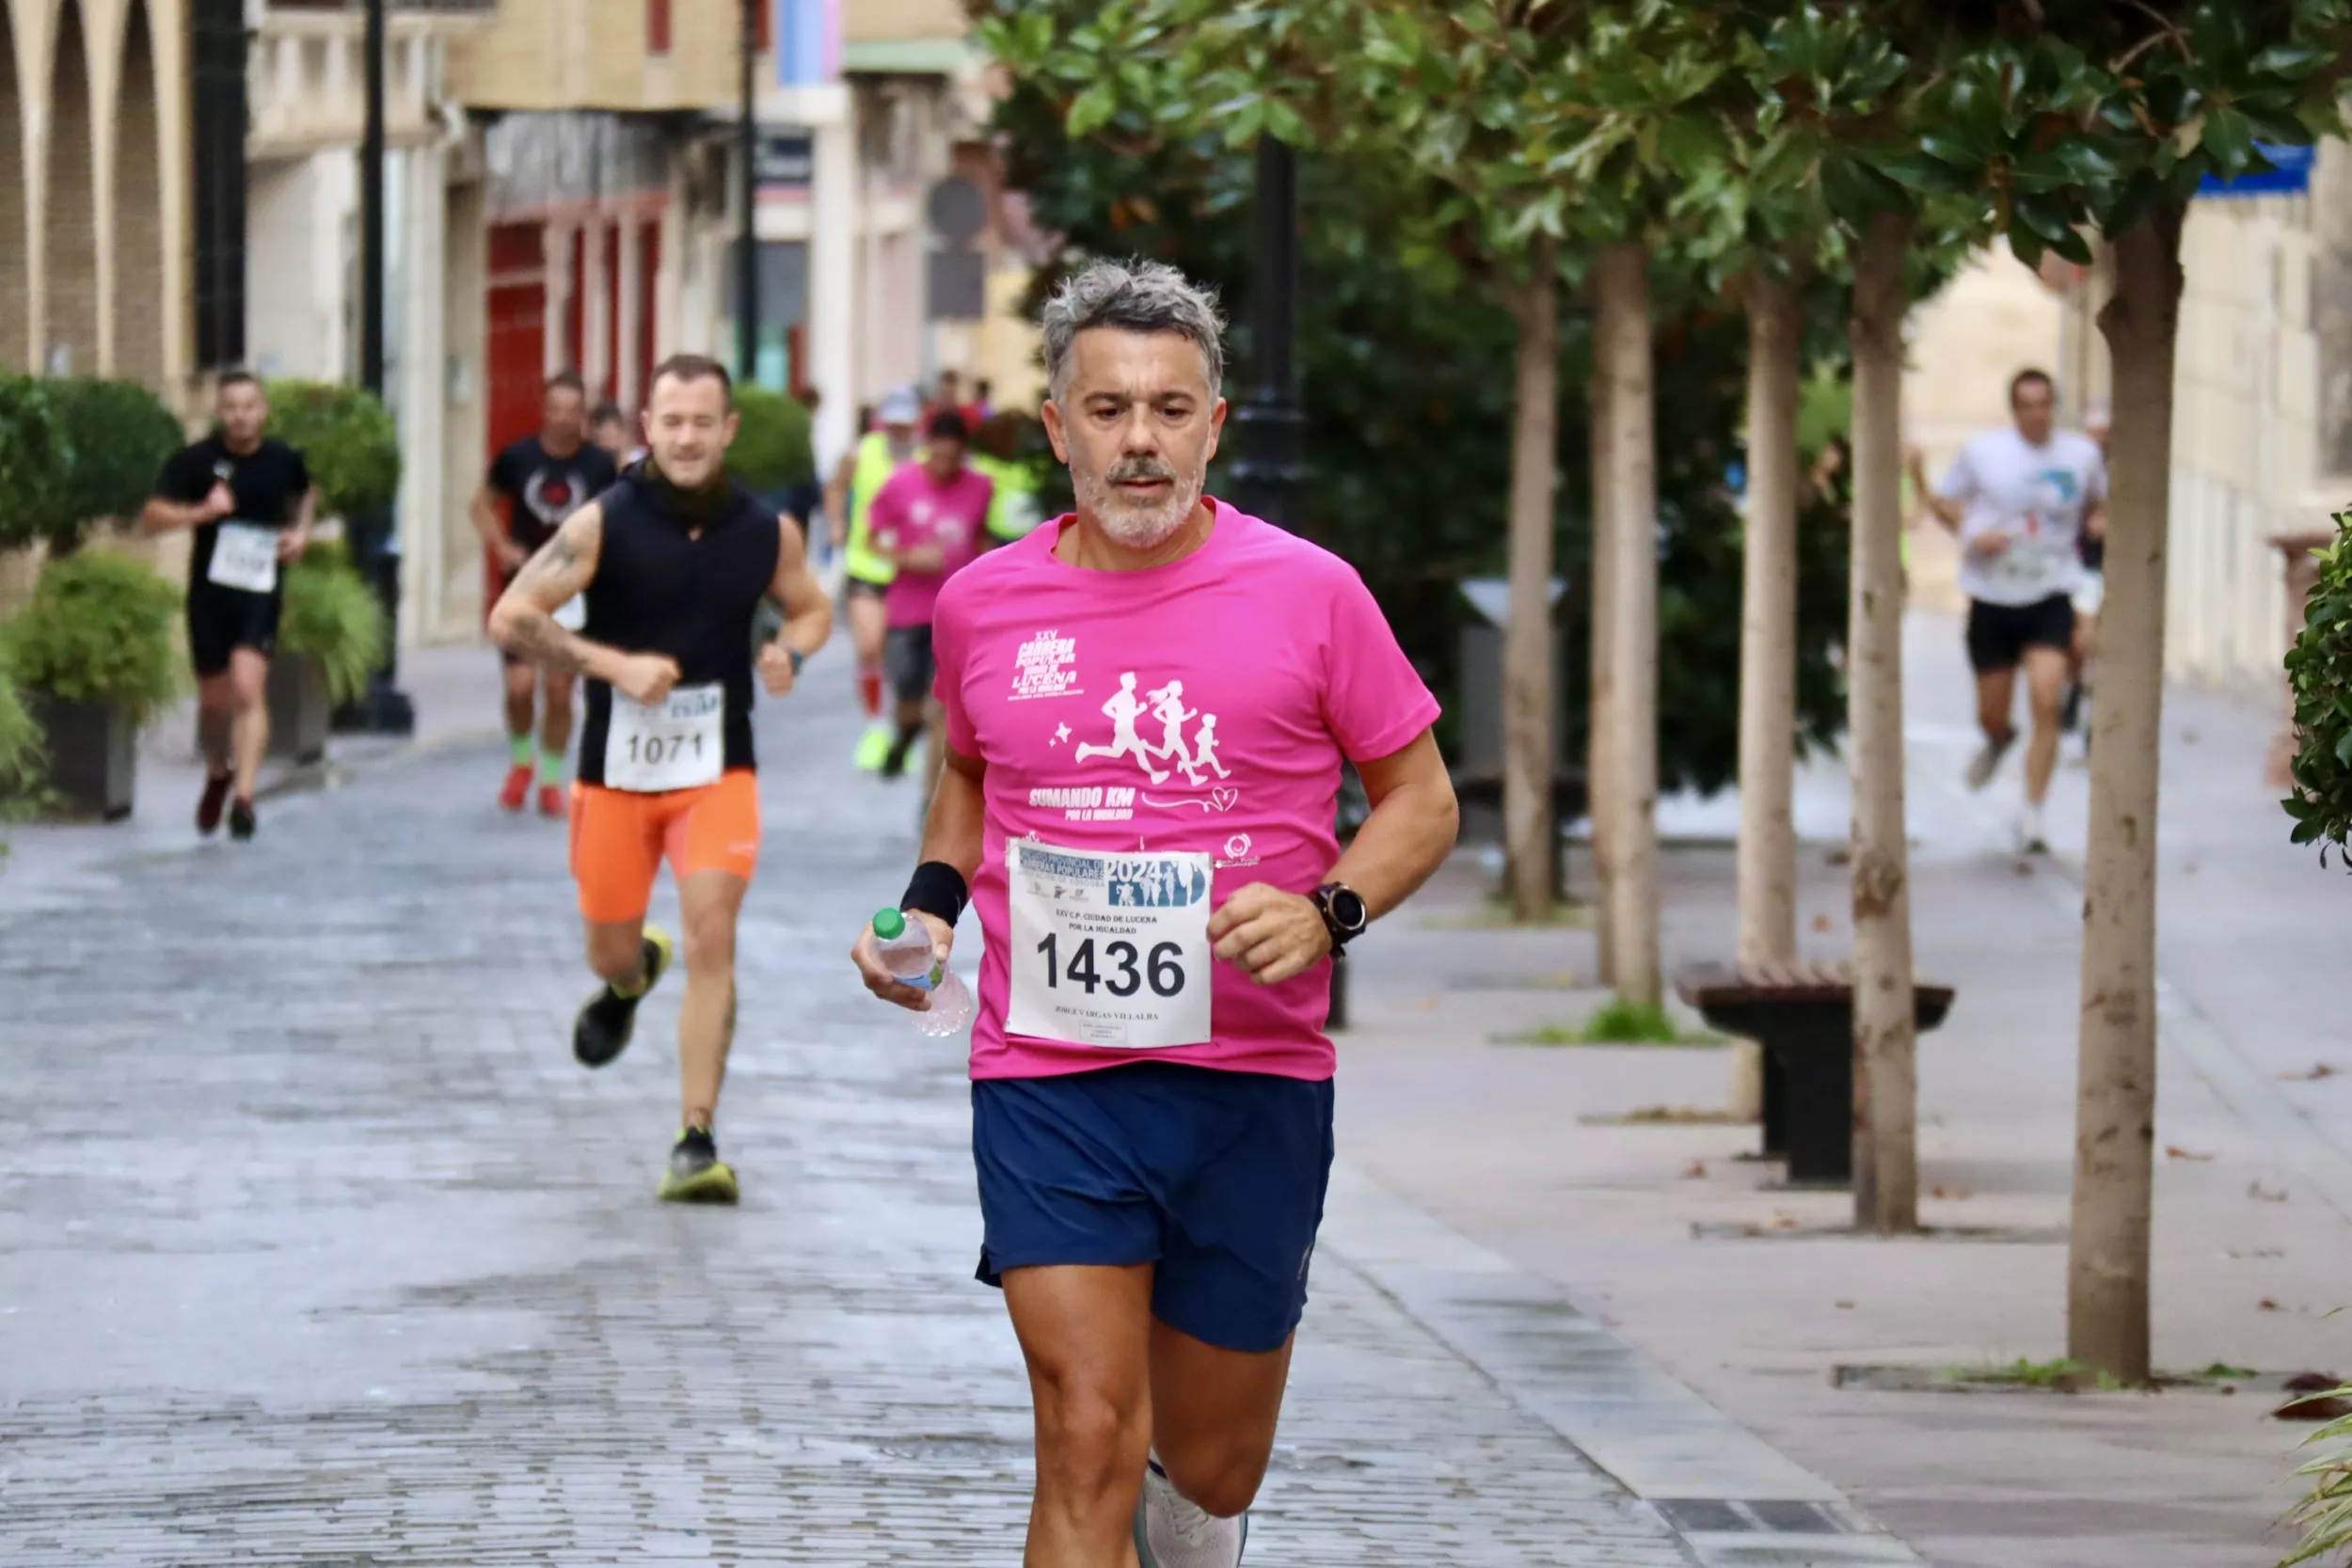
<point x="930" y="521"/>
<point x="1152" y="1086"/>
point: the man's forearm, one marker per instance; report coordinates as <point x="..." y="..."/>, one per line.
<point x="1404" y="840"/>
<point x="952" y="832"/>
<point x="529" y="632"/>
<point x="485" y="523"/>
<point x="805" y="630"/>
<point x="163" y="516"/>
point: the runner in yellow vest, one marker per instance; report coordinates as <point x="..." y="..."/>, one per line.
<point x="863" y="472"/>
<point x="1013" y="514"/>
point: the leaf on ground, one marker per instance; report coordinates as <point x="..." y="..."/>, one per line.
<point x="2318" y="1071"/>
<point x="1694" y="1171"/>
<point x="2174" y="1151"/>
<point x="1949" y="1195"/>
<point x="1820" y="923"/>
<point x="2265" y="1304"/>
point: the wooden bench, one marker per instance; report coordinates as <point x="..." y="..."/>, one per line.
<point x="1803" y="1015"/>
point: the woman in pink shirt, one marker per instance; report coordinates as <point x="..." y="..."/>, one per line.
<point x="930" y="521"/>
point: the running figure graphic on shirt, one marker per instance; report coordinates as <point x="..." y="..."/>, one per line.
<point x="1168" y="706"/>
<point x="1125" y="709"/>
<point x="1122" y="710"/>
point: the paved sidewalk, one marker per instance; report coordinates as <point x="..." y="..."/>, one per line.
<point x="456" y="689"/>
<point x="1669" y="1236"/>
<point x="315" y="1247"/>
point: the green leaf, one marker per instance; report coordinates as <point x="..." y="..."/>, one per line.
<point x="1092" y="111"/>
<point x="2292" y="61"/>
<point x="1933" y="176"/>
<point x="2228" y="140"/>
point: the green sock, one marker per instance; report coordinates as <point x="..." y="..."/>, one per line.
<point x="634" y="988"/>
<point x="519" y="746"/>
<point x="550" y="767"/>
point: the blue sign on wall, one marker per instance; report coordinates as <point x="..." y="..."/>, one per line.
<point x="2290" y="174"/>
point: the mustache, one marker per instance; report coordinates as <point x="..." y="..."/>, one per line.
<point x="1135" y="470"/>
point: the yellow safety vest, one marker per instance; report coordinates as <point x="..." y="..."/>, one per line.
<point x="1012" y="512"/>
<point x="874" y="468"/>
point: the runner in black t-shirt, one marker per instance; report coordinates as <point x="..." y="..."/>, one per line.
<point x="542" y="480"/>
<point x="249" y="500"/>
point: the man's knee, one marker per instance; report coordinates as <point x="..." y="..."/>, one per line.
<point x="710" y="942"/>
<point x="1091" y="1443"/>
<point x="1221" y="1474"/>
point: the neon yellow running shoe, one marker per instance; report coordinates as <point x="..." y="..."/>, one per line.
<point x="873" y="749"/>
<point x="695" y="1173"/>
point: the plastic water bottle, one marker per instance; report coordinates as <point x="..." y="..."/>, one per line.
<point x="906" y="951"/>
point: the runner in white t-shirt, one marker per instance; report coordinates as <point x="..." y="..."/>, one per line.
<point x="1147" y="706"/>
<point x="2021" y="501"/>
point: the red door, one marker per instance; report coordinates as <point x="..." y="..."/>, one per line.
<point x="613" y="348"/>
<point x="648" y="293"/>
<point x="515" y="354"/>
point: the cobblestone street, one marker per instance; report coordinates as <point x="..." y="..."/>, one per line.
<point x="316" y="1246"/>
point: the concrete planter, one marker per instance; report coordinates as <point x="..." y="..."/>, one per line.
<point x="93" y="756"/>
<point x="299" y="708"/>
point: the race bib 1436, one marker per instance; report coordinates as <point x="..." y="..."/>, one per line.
<point x="1110" y="949"/>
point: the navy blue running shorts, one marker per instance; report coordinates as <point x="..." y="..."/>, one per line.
<point x="1217" y="1177"/>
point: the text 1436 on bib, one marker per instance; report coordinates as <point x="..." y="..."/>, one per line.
<point x="677" y="743"/>
<point x="244" y="557"/>
<point x="1109" y="950"/>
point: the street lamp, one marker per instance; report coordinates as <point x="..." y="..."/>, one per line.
<point x="747" y="245"/>
<point x="1271" y="426"/>
<point x="384" y="709"/>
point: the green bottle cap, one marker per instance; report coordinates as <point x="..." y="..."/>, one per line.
<point x="889" y="925"/>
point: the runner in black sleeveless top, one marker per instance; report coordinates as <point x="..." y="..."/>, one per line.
<point x="673" y="563"/>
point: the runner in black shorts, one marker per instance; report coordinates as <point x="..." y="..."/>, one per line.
<point x="249" y="500"/>
<point x="2022" y="499"/>
<point x="540" y="480"/>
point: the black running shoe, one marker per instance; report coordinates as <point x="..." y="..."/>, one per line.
<point x="241" y="820"/>
<point x="695" y="1173"/>
<point x="608" y="1019"/>
<point x="215" y="801"/>
<point x="894" y="764"/>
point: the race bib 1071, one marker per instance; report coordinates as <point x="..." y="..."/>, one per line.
<point x="677" y="743"/>
<point x="244" y="557"/>
<point x="1110" y="949"/>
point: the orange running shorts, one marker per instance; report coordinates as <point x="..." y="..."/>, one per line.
<point x="619" y="838"/>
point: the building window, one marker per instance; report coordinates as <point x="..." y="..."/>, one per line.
<point x="657" y="26"/>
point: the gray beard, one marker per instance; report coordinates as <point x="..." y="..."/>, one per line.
<point x="1137" y="530"/>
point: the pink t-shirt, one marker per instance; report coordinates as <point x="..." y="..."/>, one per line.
<point x="913" y="510"/>
<point x="1197" y="711"/>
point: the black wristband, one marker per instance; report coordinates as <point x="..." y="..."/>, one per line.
<point x="937" y="889"/>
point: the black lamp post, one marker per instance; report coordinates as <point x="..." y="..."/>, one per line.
<point x="1271" y="426"/>
<point x="384" y="709"/>
<point x="747" y="260"/>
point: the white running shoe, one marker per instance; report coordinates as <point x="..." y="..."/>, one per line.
<point x="1172" y="1532"/>
<point x="2030" y="840"/>
<point x="1987" y="761"/>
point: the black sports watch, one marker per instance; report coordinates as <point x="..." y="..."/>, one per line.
<point x="1343" y="911"/>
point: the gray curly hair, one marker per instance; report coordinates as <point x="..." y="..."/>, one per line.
<point x="1132" y="296"/>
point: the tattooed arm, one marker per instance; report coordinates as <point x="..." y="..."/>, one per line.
<point x="524" y="621"/>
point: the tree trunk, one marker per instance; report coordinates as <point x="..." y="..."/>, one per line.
<point x="1622" y="351"/>
<point x="2106" y="1277"/>
<point x="1767" y="655"/>
<point x="1886" y="1162"/>
<point x="1601" y="689"/>
<point x="1528" y="698"/>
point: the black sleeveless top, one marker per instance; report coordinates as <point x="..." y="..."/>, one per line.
<point x="661" y="589"/>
